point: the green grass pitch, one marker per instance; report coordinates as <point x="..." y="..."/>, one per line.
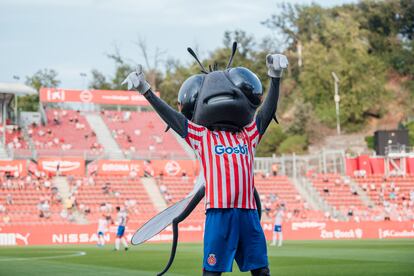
<point x="333" y="258"/>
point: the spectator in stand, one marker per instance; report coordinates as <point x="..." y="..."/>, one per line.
<point x="127" y="116"/>
<point x="337" y="182"/>
<point x="350" y="212"/>
<point x="157" y="139"/>
<point x="365" y="187"/>
<point x="184" y="176"/>
<point x="2" y="208"/>
<point x="47" y="184"/>
<point x="130" y="205"/>
<point x="163" y="189"/>
<point x="56" y="120"/>
<point x="168" y="197"/>
<point x="106" y="188"/>
<point x="22" y="184"/>
<point x="272" y="197"/>
<point x="411" y="197"/>
<point x="9" y="199"/>
<point x="354" y="191"/>
<point x="148" y="170"/>
<point x="91" y="181"/>
<point x="79" y="126"/>
<point x="393" y="195"/>
<point x="44" y="209"/>
<point x="6" y="218"/>
<point x="133" y="173"/>
<point x="274" y="169"/>
<point x="326" y="190"/>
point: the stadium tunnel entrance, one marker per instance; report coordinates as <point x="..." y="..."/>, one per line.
<point x="9" y="93"/>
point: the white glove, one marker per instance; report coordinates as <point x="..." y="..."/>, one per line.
<point x="276" y="63"/>
<point x="136" y="80"/>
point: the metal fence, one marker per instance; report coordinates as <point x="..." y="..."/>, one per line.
<point x="326" y="161"/>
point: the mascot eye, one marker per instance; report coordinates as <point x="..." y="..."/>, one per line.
<point x="188" y="93"/>
<point x="248" y="83"/>
<point x="243" y="78"/>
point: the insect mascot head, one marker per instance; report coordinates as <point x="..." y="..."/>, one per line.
<point x="221" y="99"/>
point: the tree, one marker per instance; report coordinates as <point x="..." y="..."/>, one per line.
<point x="122" y="69"/>
<point x="293" y="144"/>
<point x="99" y="81"/>
<point x="333" y="41"/>
<point x="152" y="72"/>
<point x="271" y="140"/>
<point x="42" y="78"/>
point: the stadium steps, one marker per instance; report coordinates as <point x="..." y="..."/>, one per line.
<point x="188" y="150"/>
<point x="3" y="152"/>
<point x="322" y="204"/>
<point x="104" y="136"/>
<point x="29" y="140"/>
<point x="361" y="193"/>
<point x="154" y="193"/>
<point x="313" y="201"/>
<point x="62" y="185"/>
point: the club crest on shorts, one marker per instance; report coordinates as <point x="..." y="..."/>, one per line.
<point x="211" y="260"/>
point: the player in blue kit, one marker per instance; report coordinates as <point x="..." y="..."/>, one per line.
<point x="122" y="219"/>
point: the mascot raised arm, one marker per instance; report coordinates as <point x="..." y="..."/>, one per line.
<point x="219" y="122"/>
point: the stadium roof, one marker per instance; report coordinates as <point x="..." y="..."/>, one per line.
<point x="17" y="89"/>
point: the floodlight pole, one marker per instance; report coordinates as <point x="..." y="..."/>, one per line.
<point x="337" y="99"/>
<point x="83" y="75"/>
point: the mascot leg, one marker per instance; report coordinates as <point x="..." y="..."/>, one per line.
<point x="211" y="273"/>
<point x="264" y="271"/>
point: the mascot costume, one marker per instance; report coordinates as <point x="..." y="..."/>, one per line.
<point x="219" y="121"/>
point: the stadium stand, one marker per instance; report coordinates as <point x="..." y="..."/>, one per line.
<point x="142" y="133"/>
<point x="339" y="193"/>
<point x="175" y="188"/>
<point x="29" y="200"/>
<point x="35" y="200"/>
<point x="14" y="137"/>
<point x="278" y="190"/>
<point x="66" y="130"/>
<point x="393" y="196"/>
<point x="98" y="195"/>
<point x="274" y="191"/>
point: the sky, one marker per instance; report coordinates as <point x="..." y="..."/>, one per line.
<point x="74" y="36"/>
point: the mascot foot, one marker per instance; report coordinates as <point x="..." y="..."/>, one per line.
<point x="265" y="271"/>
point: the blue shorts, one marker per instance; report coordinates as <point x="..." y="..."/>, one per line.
<point x="100" y="233"/>
<point x="121" y="231"/>
<point x="233" y="234"/>
<point x="278" y="228"/>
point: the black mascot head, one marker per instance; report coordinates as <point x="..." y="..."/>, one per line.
<point x="221" y="99"/>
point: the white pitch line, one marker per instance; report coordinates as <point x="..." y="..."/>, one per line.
<point x="76" y="254"/>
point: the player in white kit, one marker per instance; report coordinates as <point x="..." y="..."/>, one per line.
<point x="102" y="229"/>
<point x="278" y="227"/>
<point x="121" y="219"/>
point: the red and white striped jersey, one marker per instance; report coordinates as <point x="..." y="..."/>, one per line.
<point x="227" y="160"/>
